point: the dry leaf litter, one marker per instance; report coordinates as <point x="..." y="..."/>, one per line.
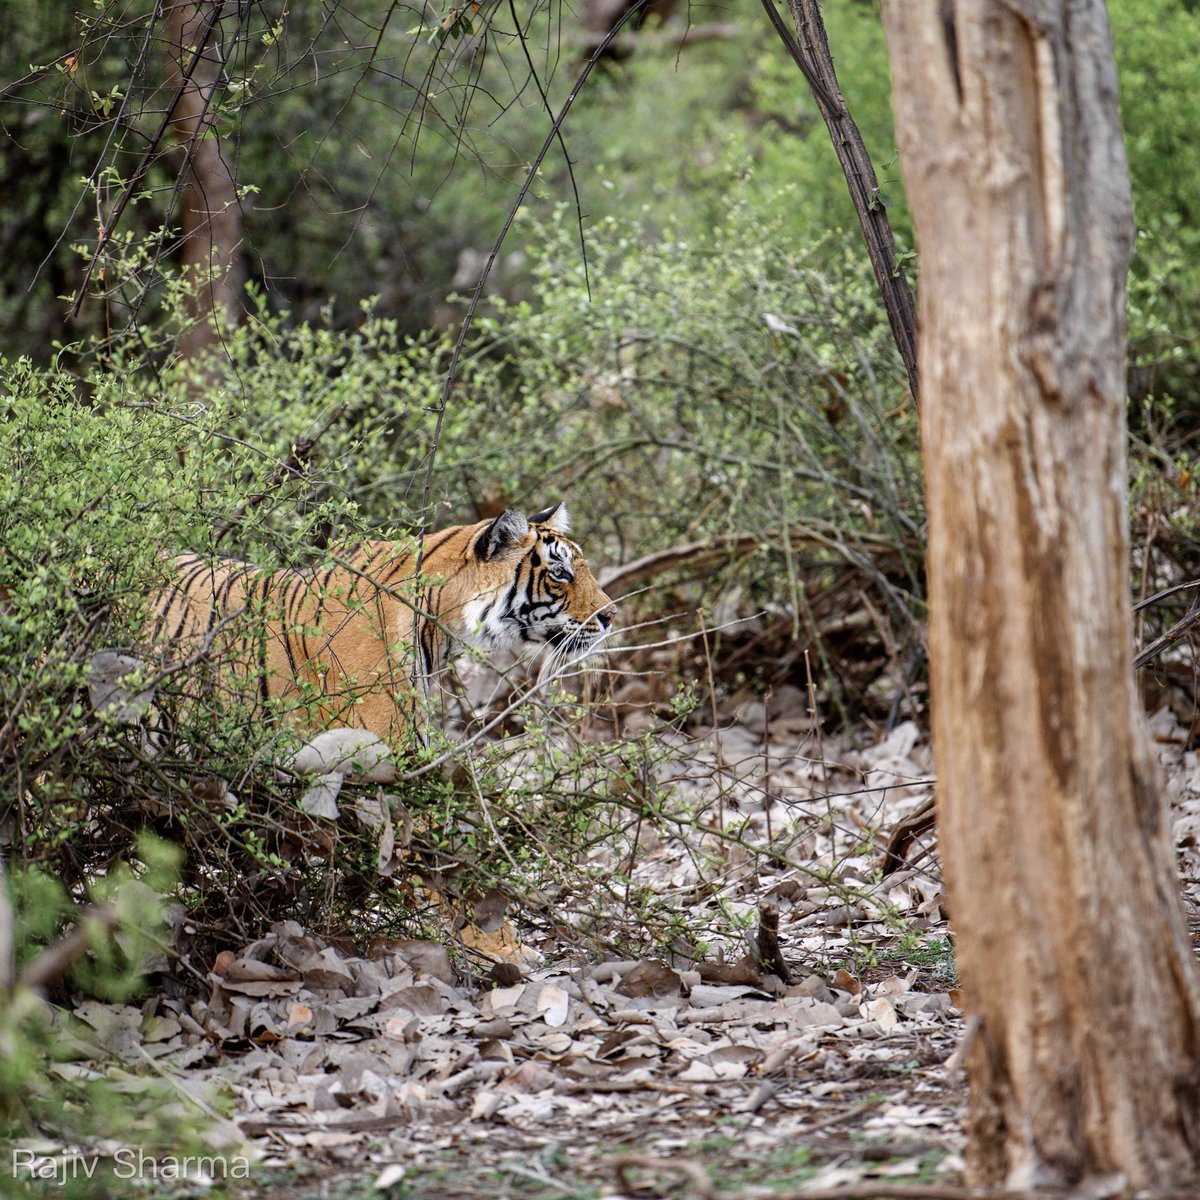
<point x="376" y="1065"/>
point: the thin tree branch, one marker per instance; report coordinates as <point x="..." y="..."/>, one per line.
<point x="811" y="55"/>
<point x="58" y="956"/>
<point x="288" y="468"/>
<point x="1171" y="591"/>
<point x="148" y="157"/>
<point x="1164" y="641"/>
<point x="731" y="545"/>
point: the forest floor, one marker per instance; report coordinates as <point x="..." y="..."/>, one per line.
<point x="390" y="1074"/>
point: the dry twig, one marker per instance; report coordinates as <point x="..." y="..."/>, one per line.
<point x="57" y="957"/>
<point x="733" y="545"/>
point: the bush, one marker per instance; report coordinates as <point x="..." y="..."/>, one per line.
<point x="737" y="390"/>
<point x="101" y="475"/>
<point x="733" y="370"/>
<point x="108" y="951"/>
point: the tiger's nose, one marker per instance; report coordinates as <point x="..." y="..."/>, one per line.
<point x="605" y="617"/>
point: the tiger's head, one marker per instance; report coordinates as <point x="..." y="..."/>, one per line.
<point x="532" y="586"/>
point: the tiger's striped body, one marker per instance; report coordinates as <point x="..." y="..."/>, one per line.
<point x="338" y="641"/>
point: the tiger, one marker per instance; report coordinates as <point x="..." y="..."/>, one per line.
<point x="357" y="644"/>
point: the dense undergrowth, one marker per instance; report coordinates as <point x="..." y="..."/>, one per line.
<point x="721" y="397"/>
<point x="677" y="379"/>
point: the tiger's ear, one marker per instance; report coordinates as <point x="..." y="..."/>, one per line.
<point x="509" y="529"/>
<point x="556" y="516"/>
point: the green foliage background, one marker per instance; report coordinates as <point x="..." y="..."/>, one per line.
<point x="352" y="192"/>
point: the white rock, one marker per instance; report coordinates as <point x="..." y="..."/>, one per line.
<point x="348" y="752"/>
<point x="320" y="800"/>
<point x="110" y="685"/>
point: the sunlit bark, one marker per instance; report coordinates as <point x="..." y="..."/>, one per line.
<point x="1082" y="991"/>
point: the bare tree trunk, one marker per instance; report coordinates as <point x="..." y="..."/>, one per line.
<point x="1082" y="990"/>
<point x="212" y="216"/>
<point x="8" y="969"/>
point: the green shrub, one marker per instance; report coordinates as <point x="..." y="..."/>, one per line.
<point x="714" y="387"/>
<point x="101" y="475"/>
<point x="62" y="1082"/>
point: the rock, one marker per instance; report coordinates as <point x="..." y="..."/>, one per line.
<point x="111" y="682"/>
<point x="352" y="752"/>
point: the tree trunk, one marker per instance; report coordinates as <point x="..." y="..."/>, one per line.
<point x="8" y="969"/>
<point x="211" y="217"/>
<point x="1081" y="987"/>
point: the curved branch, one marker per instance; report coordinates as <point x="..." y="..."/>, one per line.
<point x="731" y="545"/>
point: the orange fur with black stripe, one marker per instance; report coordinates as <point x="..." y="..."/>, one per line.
<point x="339" y="640"/>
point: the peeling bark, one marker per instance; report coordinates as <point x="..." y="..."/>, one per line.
<point x="1060" y="875"/>
<point x="211" y="217"/>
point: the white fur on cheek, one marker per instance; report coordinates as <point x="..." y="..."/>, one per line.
<point x="484" y="628"/>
